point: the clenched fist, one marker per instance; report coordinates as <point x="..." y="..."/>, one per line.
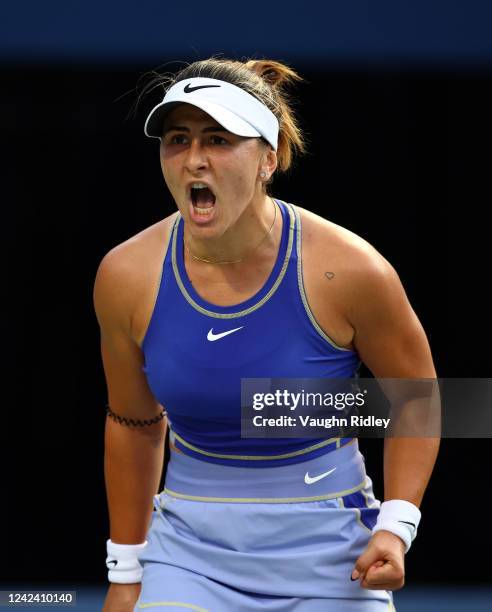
<point x="382" y="564"/>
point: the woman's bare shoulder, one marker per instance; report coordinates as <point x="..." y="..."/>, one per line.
<point x="337" y="244"/>
<point x="125" y="271"/>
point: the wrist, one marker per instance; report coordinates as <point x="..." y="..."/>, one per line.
<point x="385" y="534"/>
<point x="123" y="562"/>
<point x="399" y="517"/>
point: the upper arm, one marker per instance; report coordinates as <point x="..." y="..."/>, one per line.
<point x="115" y="294"/>
<point x="388" y="336"/>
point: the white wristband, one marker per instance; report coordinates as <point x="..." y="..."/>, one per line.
<point x="401" y="517"/>
<point x="122" y="562"/>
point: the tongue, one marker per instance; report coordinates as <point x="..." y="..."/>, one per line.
<point x="204" y="198"/>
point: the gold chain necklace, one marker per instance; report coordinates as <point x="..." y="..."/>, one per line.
<point x="209" y="261"/>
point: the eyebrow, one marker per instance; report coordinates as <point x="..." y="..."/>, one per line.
<point x="182" y="128"/>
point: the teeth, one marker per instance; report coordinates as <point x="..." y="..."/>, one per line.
<point x="203" y="211"/>
<point x="198" y="186"/>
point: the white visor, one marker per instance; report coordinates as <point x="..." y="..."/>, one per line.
<point x="236" y="110"/>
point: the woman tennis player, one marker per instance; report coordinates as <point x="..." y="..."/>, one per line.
<point x="239" y="284"/>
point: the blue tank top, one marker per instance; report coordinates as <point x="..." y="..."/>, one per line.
<point x="198" y="381"/>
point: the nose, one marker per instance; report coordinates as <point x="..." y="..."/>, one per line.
<point x="196" y="158"/>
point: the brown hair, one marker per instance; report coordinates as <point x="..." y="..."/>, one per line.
<point x="266" y="80"/>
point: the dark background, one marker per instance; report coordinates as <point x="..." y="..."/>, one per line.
<point x="399" y="153"/>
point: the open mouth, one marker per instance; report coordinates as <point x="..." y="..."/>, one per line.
<point x="202" y="202"/>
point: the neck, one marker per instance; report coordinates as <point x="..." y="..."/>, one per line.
<point x="252" y="235"/>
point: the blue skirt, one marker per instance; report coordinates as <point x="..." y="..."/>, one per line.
<point x="280" y="539"/>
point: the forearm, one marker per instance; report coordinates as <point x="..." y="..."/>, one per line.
<point x="408" y="465"/>
<point x="133" y="461"/>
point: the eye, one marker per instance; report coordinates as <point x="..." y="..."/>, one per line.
<point x="218" y="140"/>
<point x="177" y="139"/>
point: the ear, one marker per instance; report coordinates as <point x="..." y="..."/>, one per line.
<point x="269" y="161"/>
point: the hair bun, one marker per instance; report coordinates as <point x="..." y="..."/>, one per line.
<point x="274" y="73"/>
<point x="270" y="75"/>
